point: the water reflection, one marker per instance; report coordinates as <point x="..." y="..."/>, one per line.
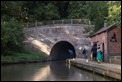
<point x="41" y="74"/>
<point x="59" y="70"/>
<point x="51" y="71"/>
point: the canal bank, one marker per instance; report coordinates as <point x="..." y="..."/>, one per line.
<point x="22" y="57"/>
<point x="23" y="62"/>
<point x="106" y="69"/>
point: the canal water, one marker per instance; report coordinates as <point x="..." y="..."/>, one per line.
<point x="48" y="71"/>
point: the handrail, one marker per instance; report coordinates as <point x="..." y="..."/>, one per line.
<point x="63" y="21"/>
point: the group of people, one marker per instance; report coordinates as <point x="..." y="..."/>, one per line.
<point x="96" y="53"/>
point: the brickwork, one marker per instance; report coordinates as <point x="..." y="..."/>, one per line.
<point x="115" y="47"/>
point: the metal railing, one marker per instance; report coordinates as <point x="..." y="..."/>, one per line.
<point x="64" y="21"/>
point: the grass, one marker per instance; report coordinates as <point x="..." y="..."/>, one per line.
<point x="24" y="56"/>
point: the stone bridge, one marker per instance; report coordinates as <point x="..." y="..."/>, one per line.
<point x="55" y="40"/>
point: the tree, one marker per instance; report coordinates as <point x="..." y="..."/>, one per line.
<point x="62" y="7"/>
<point x="40" y="10"/>
<point x="46" y="12"/>
<point x="14" y="9"/>
<point x="114" y="11"/>
<point x="96" y="12"/>
<point x="77" y="9"/>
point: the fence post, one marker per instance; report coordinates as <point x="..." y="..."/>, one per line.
<point x="62" y="21"/>
<point x="27" y="24"/>
<point x="79" y="21"/>
<point x="53" y="22"/>
<point x="36" y="24"/>
<point x="89" y="23"/>
<point x="71" y="21"/>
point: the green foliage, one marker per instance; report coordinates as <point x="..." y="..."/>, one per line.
<point x="39" y="11"/>
<point x="77" y="9"/>
<point x="13" y="9"/>
<point x="31" y="11"/>
<point x="24" y="56"/>
<point x="51" y="12"/>
<point x="114" y="11"/>
<point x="96" y="12"/>
<point x="62" y="7"/>
<point x="11" y="34"/>
<point x="47" y="12"/>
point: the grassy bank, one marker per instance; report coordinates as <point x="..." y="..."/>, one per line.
<point x="22" y="57"/>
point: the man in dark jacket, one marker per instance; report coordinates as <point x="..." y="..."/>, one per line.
<point x="84" y="53"/>
<point x="94" y="51"/>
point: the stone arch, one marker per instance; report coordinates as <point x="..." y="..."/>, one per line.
<point x="60" y="51"/>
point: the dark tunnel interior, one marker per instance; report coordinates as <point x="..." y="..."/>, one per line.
<point x="60" y="51"/>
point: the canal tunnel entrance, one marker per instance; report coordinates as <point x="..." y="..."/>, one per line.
<point x="62" y="51"/>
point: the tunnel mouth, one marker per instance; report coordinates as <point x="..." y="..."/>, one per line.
<point x="62" y="50"/>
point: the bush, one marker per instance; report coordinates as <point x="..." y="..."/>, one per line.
<point x="11" y="34"/>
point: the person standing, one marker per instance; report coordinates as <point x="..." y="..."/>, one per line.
<point x="99" y="55"/>
<point x="70" y="52"/>
<point x="84" y="53"/>
<point x="94" y="51"/>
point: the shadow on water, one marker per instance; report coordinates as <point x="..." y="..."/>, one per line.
<point x="59" y="69"/>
